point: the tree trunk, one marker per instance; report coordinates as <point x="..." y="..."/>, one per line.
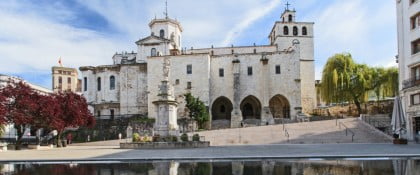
<point x="19" y="133"/>
<point x="59" y="144"/>
<point x="358" y="105"/>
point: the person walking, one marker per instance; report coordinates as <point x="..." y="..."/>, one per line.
<point x="69" y="138"/>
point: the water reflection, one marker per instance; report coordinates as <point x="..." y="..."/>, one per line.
<point x="265" y="167"/>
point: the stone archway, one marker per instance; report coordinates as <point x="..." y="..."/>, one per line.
<point x="251" y="108"/>
<point x="221" y="113"/>
<point x="279" y="107"/>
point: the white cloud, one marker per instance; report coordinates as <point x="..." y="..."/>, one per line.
<point x="30" y="43"/>
<point x="360" y="28"/>
<point x="32" y="38"/>
<point x="253" y="15"/>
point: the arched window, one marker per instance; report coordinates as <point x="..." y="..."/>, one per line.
<point x="295" y="31"/>
<point x="112" y="83"/>
<point x="99" y="83"/>
<point x="285" y="30"/>
<point x="304" y="31"/>
<point x="85" y="84"/>
<point x="162" y="33"/>
<point x="153" y="52"/>
<point x="290" y="18"/>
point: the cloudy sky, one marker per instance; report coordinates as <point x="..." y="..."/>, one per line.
<point x="35" y="33"/>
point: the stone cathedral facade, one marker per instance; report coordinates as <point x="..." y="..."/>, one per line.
<point x="256" y="85"/>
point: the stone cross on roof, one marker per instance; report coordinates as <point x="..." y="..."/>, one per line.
<point x="287" y="5"/>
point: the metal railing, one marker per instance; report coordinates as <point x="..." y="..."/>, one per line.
<point x="347" y="130"/>
<point x="286" y="133"/>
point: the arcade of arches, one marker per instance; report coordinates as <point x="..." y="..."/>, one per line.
<point x="221" y="109"/>
<point x="251" y="108"/>
<point x="279" y="107"/>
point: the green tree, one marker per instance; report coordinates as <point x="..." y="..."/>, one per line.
<point x="343" y="80"/>
<point x="197" y="110"/>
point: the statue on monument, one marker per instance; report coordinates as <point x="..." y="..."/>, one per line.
<point x="166" y="68"/>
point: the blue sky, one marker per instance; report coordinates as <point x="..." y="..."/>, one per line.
<point x="35" y="33"/>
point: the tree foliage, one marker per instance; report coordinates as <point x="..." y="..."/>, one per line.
<point x="25" y="108"/>
<point x="343" y="80"/>
<point x="21" y="104"/>
<point x="2" y="109"/>
<point x="197" y="110"/>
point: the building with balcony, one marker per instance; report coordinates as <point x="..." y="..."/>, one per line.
<point x="408" y="24"/>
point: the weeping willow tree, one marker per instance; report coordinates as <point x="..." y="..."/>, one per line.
<point x="389" y="85"/>
<point x="343" y="80"/>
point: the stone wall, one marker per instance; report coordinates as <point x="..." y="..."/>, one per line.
<point x="371" y="108"/>
<point x="179" y="78"/>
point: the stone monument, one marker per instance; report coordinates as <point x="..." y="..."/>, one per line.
<point x="166" y="119"/>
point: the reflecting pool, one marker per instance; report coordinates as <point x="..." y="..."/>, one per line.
<point x="381" y="166"/>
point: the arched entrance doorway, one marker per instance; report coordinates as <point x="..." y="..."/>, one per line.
<point x="221" y="113"/>
<point x="251" y="108"/>
<point x="279" y="107"/>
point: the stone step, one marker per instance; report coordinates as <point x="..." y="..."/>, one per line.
<point x="299" y="133"/>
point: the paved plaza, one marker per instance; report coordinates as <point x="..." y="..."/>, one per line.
<point x="113" y="153"/>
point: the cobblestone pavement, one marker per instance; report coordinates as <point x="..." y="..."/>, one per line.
<point x="112" y="153"/>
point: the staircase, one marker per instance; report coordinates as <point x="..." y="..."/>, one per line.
<point x="330" y="131"/>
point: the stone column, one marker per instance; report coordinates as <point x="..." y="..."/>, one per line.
<point x="268" y="168"/>
<point x="237" y="168"/>
<point x="236" y="112"/>
<point x="266" y="116"/>
<point x="297" y="109"/>
<point x="166" y="123"/>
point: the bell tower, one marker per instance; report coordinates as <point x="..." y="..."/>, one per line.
<point x="165" y="37"/>
<point x="283" y="34"/>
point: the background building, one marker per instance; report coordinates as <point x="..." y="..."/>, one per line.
<point x="65" y="79"/>
<point x="408" y="23"/>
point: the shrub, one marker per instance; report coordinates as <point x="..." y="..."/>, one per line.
<point x="147" y="139"/>
<point x="136" y="137"/>
<point x="156" y="138"/>
<point x="184" y="137"/>
<point x="196" y="138"/>
<point x="174" y="138"/>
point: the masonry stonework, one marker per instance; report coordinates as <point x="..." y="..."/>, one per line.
<point x="252" y="85"/>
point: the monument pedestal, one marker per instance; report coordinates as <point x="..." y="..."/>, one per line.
<point x="166" y="123"/>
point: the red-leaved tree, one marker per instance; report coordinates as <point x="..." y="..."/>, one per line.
<point x="2" y="109"/>
<point x="74" y="113"/>
<point x="21" y="104"/>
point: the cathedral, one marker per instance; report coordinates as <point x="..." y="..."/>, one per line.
<point x="254" y="85"/>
